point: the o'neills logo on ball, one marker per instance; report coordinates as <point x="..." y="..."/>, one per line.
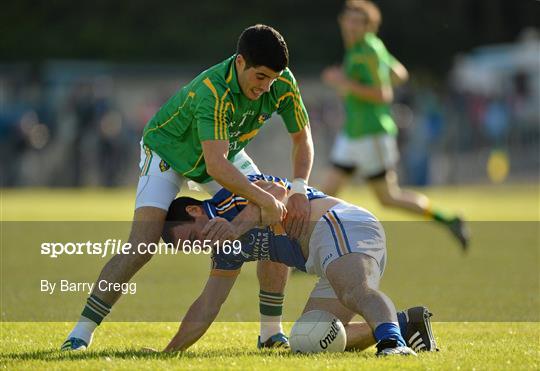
<point x="331" y="336"/>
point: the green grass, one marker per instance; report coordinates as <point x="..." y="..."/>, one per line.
<point x="466" y="346"/>
<point x="486" y="304"/>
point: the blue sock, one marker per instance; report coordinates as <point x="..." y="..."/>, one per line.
<point x="389" y="331"/>
<point x="402" y="320"/>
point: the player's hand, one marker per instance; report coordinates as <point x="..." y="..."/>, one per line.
<point x="297" y="221"/>
<point x="335" y="77"/>
<point x="272" y="213"/>
<point x="219" y="229"/>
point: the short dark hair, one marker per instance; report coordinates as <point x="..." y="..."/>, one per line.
<point x="177" y="214"/>
<point x="261" y="45"/>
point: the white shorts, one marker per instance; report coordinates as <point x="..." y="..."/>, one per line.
<point x="371" y="154"/>
<point x="344" y="229"/>
<point x="159" y="183"/>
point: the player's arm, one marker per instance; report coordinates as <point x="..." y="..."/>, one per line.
<point x="212" y="128"/>
<point x="219" y="229"/>
<point x="224" y="172"/>
<point x="202" y="312"/>
<point x="379" y="93"/>
<point x="291" y="108"/>
<point x="398" y="73"/>
<point x="298" y="206"/>
<point x="375" y="94"/>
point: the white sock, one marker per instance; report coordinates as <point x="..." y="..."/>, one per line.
<point x="84" y="330"/>
<point x="270" y="325"/>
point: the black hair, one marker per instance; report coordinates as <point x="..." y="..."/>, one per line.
<point x="261" y="45"/>
<point x="177" y="214"/>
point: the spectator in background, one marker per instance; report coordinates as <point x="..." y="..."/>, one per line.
<point x="368" y="139"/>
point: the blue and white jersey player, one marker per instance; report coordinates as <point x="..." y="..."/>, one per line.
<point x="345" y="246"/>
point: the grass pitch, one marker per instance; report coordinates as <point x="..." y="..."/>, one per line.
<point x="485" y="304"/>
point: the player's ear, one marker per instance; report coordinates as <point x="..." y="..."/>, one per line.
<point x="240" y="62"/>
<point x="194" y="210"/>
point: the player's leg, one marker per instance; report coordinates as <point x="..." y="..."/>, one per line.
<point x="272" y="276"/>
<point x="157" y="187"/>
<point x="414" y="323"/>
<point x="386" y="188"/>
<point x="355" y="279"/>
<point x="337" y="177"/>
<point x="344" y="162"/>
<point x="378" y="164"/>
<point x="272" y="280"/>
<point x="359" y="334"/>
<point x="348" y="248"/>
<point x="379" y="157"/>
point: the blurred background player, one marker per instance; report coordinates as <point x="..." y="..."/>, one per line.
<point x="368" y="139"/>
<point x="199" y="134"/>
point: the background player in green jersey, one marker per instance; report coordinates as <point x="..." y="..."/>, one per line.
<point x="199" y="134"/>
<point x="368" y="139"/>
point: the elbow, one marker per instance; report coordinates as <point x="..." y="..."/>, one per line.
<point x="210" y="170"/>
<point x="405" y="76"/>
<point x="213" y="169"/>
<point x="386" y="95"/>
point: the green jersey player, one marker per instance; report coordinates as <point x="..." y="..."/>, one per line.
<point x="368" y="139"/>
<point x="199" y="135"/>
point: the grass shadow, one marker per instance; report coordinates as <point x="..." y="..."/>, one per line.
<point x="57" y="355"/>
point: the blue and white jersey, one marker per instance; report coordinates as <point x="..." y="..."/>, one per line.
<point x="269" y="243"/>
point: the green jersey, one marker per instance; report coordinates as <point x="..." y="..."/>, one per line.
<point x="213" y="107"/>
<point x="369" y="63"/>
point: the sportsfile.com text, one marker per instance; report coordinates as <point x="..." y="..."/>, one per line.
<point x="114" y="246"/>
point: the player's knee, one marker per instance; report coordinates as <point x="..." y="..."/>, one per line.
<point x="353" y="297"/>
<point x="348" y="299"/>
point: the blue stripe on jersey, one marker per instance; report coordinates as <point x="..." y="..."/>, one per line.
<point x="236" y="204"/>
<point x="232" y="201"/>
<point x="208" y="209"/>
<point x="333" y="234"/>
<point x="342" y="230"/>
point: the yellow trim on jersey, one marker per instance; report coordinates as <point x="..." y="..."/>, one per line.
<point x="339" y="235"/>
<point x="190" y="95"/>
<point x="224" y="273"/>
<point x="229" y="77"/>
<point x="196" y="164"/>
<point x="210" y="86"/>
<point x="295" y="110"/>
<point x="165" y="123"/>
<point x="226" y="108"/>
<point x="248" y="136"/>
<point x="147" y="160"/>
<point x="301" y="119"/>
<point x="222" y="112"/>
